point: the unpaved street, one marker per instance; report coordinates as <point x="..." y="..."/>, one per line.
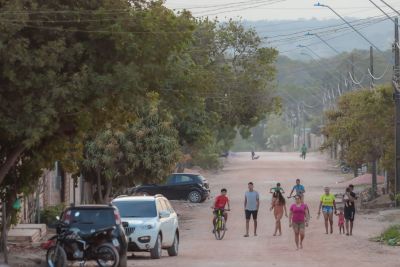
<point x="199" y="247"/>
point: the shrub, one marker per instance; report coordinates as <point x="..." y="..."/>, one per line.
<point x="390" y="236"/>
<point x="48" y="215"/>
<point x="208" y="158"/>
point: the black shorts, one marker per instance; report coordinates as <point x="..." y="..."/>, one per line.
<point x="349" y="214"/>
<point x="250" y="213"/>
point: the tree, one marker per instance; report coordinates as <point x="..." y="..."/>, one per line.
<point x="277" y="133"/>
<point x="145" y="150"/>
<point x="363" y="126"/>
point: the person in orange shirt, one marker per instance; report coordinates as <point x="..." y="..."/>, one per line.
<point x="220" y="203"/>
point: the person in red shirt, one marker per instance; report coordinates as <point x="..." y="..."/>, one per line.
<point x="220" y="203"/>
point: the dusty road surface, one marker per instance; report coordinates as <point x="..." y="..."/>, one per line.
<point x="199" y="247"/>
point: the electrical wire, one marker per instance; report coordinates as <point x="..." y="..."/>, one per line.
<point x="380" y="77"/>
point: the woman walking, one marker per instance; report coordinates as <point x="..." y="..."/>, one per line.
<point x="328" y="207"/>
<point x="279" y="206"/>
<point x="298" y="219"/>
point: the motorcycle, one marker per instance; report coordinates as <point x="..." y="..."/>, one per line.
<point x="69" y="244"/>
<point x="344" y="168"/>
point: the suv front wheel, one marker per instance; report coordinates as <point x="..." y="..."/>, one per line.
<point x="194" y="196"/>
<point x="155" y="253"/>
<point x="173" y="250"/>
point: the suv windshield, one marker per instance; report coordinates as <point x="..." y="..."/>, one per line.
<point x="92" y="218"/>
<point x="139" y="209"/>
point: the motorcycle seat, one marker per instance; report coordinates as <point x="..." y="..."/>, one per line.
<point x="88" y="235"/>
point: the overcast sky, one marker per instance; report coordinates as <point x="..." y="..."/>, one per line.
<point x="279" y="9"/>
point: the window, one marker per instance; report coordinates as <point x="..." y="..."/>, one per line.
<point x="161" y="205"/>
<point x="169" y="207"/>
<point x="171" y="179"/>
<point x="183" y="179"/>
<point x="139" y="209"/>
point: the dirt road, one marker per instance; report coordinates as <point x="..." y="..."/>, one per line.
<point x="199" y="247"/>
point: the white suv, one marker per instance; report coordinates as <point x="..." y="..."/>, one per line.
<point x="150" y="223"/>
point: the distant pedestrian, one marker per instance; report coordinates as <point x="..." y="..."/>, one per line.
<point x="349" y="208"/>
<point x="328" y="206"/>
<point x="251" y="206"/>
<point x="279" y="206"/>
<point x="253" y="154"/>
<point x="341" y="221"/>
<point x="298" y="219"/>
<point x="303" y="151"/>
<point x="299" y="189"/>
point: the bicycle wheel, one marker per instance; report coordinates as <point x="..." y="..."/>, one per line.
<point x="56" y="257"/>
<point x="220" y="229"/>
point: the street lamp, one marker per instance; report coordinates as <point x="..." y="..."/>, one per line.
<point x="348" y="23"/>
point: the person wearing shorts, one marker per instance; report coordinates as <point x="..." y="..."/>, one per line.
<point x="328" y="206"/>
<point x="251" y="206"/>
<point x="220" y="203"/>
<point x="349" y="208"/>
<point x="298" y="220"/>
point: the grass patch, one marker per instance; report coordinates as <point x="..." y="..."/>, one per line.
<point x="390" y="236"/>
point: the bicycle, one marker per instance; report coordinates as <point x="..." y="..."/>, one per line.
<point x="219" y="226"/>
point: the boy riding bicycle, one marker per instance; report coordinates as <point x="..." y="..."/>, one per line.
<point x="219" y="204"/>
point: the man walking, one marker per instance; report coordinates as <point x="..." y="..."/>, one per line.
<point x="303" y="151"/>
<point x="251" y="205"/>
<point x="349" y="208"/>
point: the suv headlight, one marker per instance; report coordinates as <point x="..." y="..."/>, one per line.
<point x="148" y="226"/>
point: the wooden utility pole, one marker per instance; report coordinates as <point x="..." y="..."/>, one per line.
<point x="396" y="79"/>
<point x="371" y="65"/>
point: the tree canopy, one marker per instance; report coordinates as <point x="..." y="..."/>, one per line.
<point x="76" y="79"/>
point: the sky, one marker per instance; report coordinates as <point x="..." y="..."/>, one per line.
<point x="280" y="9"/>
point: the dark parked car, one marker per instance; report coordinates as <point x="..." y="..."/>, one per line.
<point x="193" y="187"/>
<point x="90" y="218"/>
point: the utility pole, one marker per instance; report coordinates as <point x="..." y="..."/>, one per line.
<point x="396" y="78"/>
<point x="371" y="65"/>
<point x="304" y="127"/>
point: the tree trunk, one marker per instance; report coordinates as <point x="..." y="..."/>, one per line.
<point x="3" y="244"/>
<point x="99" y="187"/>
<point x="355" y="171"/>
<point x="107" y="192"/>
<point x="374" y="179"/>
<point x="10" y="161"/>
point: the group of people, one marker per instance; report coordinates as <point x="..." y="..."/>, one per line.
<point x="299" y="213"/>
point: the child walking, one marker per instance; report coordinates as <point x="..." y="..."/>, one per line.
<point x="341" y="221"/>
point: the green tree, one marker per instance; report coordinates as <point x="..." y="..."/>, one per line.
<point x="278" y="133"/>
<point x="363" y="126"/>
<point x="145" y="150"/>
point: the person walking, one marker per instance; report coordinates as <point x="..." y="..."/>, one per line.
<point x="279" y="206"/>
<point x="298" y="220"/>
<point x="299" y="189"/>
<point x="349" y="208"/>
<point x="251" y="206"/>
<point x="303" y="151"/>
<point x="328" y="206"/>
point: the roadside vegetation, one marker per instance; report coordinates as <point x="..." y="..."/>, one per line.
<point x="121" y="91"/>
<point x="390" y="236"/>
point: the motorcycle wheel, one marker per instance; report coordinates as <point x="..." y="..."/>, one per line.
<point x="345" y="169"/>
<point x="56" y="257"/>
<point x="107" y="256"/>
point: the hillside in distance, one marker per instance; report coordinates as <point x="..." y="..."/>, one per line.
<point x="286" y="35"/>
